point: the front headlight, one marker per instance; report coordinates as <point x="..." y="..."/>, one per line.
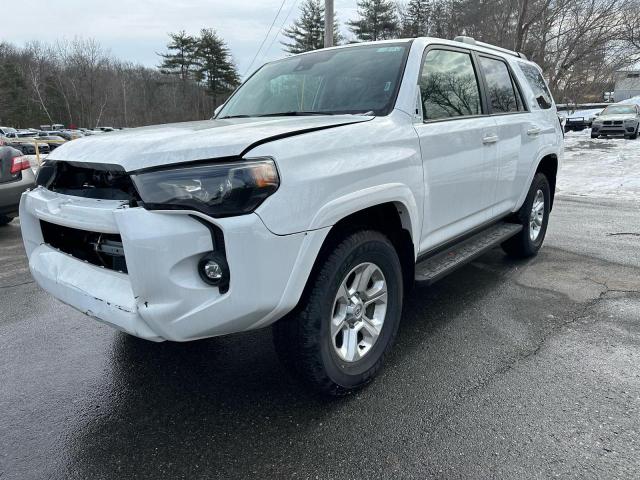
<point x="216" y="189"/>
<point x="630" y="121"/>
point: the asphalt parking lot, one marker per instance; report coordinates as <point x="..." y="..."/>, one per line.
<point x="505" y="369"/>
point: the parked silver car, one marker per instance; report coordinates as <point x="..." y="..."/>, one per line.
<point x="617" y="119"/>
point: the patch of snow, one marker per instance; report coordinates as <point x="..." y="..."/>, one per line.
<point x="590" y="113"/>
<point x="632" y="100"/>
<point x="603" y="167"/>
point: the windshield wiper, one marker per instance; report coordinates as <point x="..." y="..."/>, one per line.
<point x="293" y="114"/>
<point x="235" y="116"/>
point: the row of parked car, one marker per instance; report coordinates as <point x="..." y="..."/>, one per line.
<point x="47" y="137"/>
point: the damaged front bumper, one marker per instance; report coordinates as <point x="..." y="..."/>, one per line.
<point x="162" y="297"/>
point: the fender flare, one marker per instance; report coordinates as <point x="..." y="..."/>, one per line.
<point x="396" y="193"/>
<point x="545" y="152"/>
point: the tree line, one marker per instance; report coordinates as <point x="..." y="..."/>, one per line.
<point x="78" y="83"/>
<point x="579" y="44"/>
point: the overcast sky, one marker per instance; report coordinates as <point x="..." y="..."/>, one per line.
<point x="135" y="30"/>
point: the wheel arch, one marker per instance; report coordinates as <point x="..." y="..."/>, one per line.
<point x="397" y="195"/>
<point x="548" y="164"/>
<point x="391" y="218"/>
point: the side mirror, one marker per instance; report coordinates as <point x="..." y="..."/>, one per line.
<point x="217" y="110"/>
<point x="597" y="114"/>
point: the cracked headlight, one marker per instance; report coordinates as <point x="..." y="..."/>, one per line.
<point x="216" y="189"/>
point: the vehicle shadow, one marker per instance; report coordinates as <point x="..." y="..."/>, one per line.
<point x="226" y="403"/>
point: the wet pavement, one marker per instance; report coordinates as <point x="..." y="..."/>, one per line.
<point x="505" y="369"/>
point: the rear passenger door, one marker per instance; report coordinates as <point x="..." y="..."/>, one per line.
<point x="458" y="142"/>
<point x="518" y="133"/>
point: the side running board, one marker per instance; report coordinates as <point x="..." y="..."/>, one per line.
<point x="440" y="264"/>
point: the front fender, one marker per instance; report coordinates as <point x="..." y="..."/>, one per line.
<point x="397" y="193"/>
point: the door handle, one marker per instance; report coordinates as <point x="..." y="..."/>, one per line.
<point x="490" y="139"/>
<point x="532" y="132"/>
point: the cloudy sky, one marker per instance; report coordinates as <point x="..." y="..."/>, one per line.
<point x="135" y="30"/>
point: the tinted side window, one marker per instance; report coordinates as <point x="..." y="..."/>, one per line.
<point x="448" y="85"/>
<point x="536" y="82"/>
<point x="502" y="95"/>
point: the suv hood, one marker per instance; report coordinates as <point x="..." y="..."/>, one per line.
<point x="618" y="116"/>
<point x="159" y="145"/>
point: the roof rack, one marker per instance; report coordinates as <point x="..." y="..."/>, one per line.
<point x="472" y="41"/>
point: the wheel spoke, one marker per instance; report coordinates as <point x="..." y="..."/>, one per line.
<point x="350" y="344"/>
<point x="372" y="327"/>
<point x="377" y="296"/>
<point x="362" y="281"/>
<point x="343" y="293"/>
<point x="338" y="324"/>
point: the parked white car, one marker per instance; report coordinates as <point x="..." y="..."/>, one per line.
<point x="617" y="119"/>
<point x="323" y="187"/>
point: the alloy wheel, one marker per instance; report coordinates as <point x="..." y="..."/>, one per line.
<point x="359" y="311"/>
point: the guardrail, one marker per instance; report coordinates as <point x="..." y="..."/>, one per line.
<point x="580" y="106"/>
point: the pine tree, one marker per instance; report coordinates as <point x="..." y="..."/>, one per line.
<point x="378" y="20"/>
<point x="214" y="64"/>
<point x="415" y="21"/>
<point x="307" y="32"/>
<point x="179" y="60"/>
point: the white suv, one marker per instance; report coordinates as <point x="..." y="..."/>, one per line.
<point x="322" y="189"/>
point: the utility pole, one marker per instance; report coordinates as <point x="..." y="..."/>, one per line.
<point x="328" y="23"/>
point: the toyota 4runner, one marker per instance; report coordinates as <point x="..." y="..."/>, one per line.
<point x="321" y="190"/>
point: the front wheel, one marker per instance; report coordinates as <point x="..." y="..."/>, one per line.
<point x="534" y="217"/>
<point x="338" y="338"/>
<point x="5" y="220"/>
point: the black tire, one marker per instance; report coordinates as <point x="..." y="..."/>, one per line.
<point x="521" y="245"/>
<point x="303" y="340"/>
<point x="4" y="220"/>
<point x="594" y="135"/>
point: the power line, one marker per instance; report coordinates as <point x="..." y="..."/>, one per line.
<point x="265" y="38"/>
<point x="281" y="26"/>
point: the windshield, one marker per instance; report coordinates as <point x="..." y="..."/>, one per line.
<point x="619" y="109"/>
<point x="25" y="134"/>
<point x="358" y="79"/>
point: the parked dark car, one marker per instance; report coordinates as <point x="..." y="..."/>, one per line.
<point x="16" y="176"/>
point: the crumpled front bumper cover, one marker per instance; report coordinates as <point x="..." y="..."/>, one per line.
<point x="162" y="297"/>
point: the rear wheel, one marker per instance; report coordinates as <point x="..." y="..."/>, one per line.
<point x="337" y="340"/>
<point x="534" y="217"/>
<point x="4" y="220"/>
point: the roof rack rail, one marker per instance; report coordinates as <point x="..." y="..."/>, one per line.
<point x="473" y="41"/>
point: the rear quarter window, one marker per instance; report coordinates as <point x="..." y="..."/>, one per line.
<point x="538" y="85"/>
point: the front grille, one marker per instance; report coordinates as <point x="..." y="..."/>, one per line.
<point x="101" y="249"/>
<point x="617" y="122"/>
<point x="99" y="181"/>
